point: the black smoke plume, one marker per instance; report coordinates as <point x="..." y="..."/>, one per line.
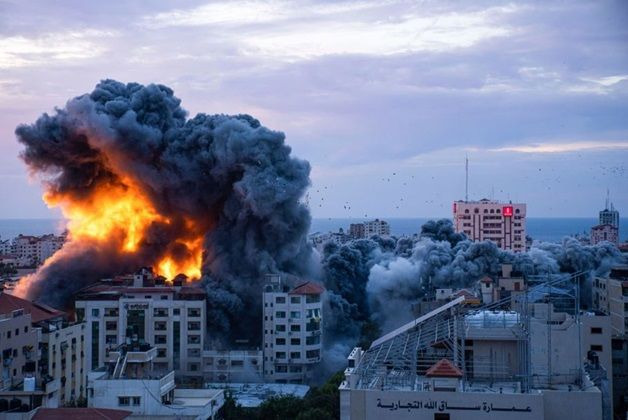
<point x="234" y="179"/>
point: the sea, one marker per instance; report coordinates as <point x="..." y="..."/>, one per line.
<point x="546" y="229"/>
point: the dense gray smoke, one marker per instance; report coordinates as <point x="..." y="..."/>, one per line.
<point x="225" y="179"/>
<point x="384" y="282"/>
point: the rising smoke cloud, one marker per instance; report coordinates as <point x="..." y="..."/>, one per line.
<point x="222" y="183"/>
<point x="383" y="283"/>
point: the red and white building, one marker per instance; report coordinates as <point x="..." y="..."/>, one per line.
<point x="606" y="232"/>
<point x="502" y="223"/>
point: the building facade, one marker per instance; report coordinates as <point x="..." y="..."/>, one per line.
<point x="376" y="227"/>
<point x="607" y="232"/>
<point x="292" y="330"/>
<point x="34" y="250"/>
<point x="144" y="306"/>
<point x="502" y="223"/>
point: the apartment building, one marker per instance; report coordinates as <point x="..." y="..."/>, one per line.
<point x="292" y="330"/>
<point x="607" y="232"/>
<point x="502" y="223"/>
<point x="610" y="296"/>
<point x="34" y="250"/>
<point x="376" y="227"/>
<point x="142" y="306"/>
<point x="129" y="380"/>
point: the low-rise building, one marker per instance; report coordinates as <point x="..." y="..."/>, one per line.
<point x="232" y="366"/>
<point x="129" y="380"/>
<point x="292" y="330"/>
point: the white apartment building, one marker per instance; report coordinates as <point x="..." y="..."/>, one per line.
<point x="130" y="381"/>
<point x="230" y="366"/>
<point x="34" y="250"/>
<point x="144" y="307"/>
<point x="292" y="330"/>
<point x="502" y="223"/>
<point x="376" y="227"/>
<point x="610" y="295"/>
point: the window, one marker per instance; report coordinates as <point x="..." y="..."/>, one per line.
<point x="193" y="367"/>
<point x="596" y="347"/>
<point x="194" y="352"/>
<point x="160" y="326"/>
<point x="312" y="298"/>
<point x="281" y="369"/>
<point x="310" y="354"/>
<point x="295" y="355"/>
<point x="111" y="311"/>
<point x="161" y="352"/>
<point x="617" y="345"/>
<point x="124" y="401"/>
<point x="111" y="325"/>
<point x="280" y="299"/>
<point x="280" y="341"/>
<point x="25" y="329"/>
<point x="295" y="341"/>
<point x="315" y="339"/>
<point x="111" y="339"/>
<point x="280" y="314"/>
<point x="160" y="339"/>
<point x="136" y="401"/>
<point x="194" y="339"/>
<point x="596" y="330"/>
<point x="176" y="311"/>
<point x="280" y="355"/>
<point x="194" y="312"/>
<point x="295" y="299"/>
<point x="95" y="312"/>
<point x="281" y="327"/>
<point x="295" y="327"/>
<point x="163" y="297"/>
<point x="194" y="326"/>
<point x="160" y="312"/>
<point x="295" y="314"/>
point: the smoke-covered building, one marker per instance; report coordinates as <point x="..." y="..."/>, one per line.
<point x="170" y="316"/>
<point x="292" y="330"/>
<point x="458" y="362"/>
<point x="606" y="232"/>
<point x="34" y="250"/>
<point x="502" y="223"/>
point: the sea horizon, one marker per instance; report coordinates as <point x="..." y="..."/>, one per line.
<point x="548" y="229"/>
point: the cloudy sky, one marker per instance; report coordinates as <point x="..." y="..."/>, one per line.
<point x="384" y="98"/>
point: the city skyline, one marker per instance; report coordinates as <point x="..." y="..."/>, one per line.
<point x="383" y="99"/>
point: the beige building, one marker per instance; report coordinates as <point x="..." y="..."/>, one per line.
<point x="604" y="233"/>
<point x="147" y="308"/>
<point x="502" y="223"/>
<point x="42" y="354"/>
<point x="292" y="330"/>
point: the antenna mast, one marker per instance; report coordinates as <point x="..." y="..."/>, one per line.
<point x="607" y="199"/>
<point x="466" y="179"/>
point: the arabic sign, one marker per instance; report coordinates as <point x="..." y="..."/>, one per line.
<point x="402" y="405"/>
<point x="443" y="405"/>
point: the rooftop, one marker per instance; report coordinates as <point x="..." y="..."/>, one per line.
<point x="80" y="414"/>
<point x="307" y="288"/>
<point x="38" y="311"/>
<point x="444" y="369"/>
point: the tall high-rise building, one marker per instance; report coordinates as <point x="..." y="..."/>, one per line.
<point x="502" y="223"/>
<point x="292" y="330"/>
<point x="609" y="216"/>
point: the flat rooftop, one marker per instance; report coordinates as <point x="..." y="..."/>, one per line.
<point x="253" y="395"/>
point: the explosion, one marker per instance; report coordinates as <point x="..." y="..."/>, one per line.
<point x="214" y="197"/>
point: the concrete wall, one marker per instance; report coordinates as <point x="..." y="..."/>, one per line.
<point x="572" y="405"/>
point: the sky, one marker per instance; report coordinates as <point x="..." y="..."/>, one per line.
<point x="385" y="99"/>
